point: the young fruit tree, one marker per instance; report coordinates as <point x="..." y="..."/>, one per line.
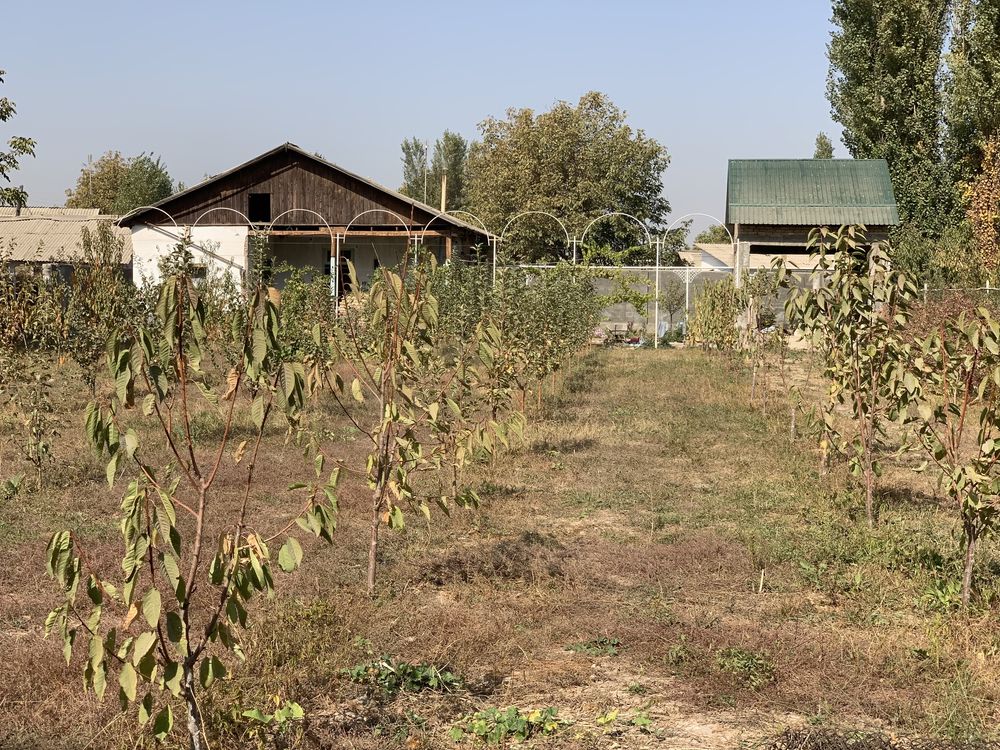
<point x="419" y="433"/>
<point x="164" y="625"/>
<point x="854" y="313"/>
<point x="955" y="381"/>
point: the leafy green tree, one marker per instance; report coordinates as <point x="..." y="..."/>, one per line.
<point x="884" y="87"/>
<point x="574" y="161"/>
<point x="824" y="147"/>
<point x="713" y="235"/>
<point x="419" y="426"/>
<point x="972" y="86"/>
<point x="422" y="175"/>
<point x="116" y="184"/>
<point x="17" y="147"/>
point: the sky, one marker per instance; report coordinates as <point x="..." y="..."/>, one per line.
<point x="207" y="85"/>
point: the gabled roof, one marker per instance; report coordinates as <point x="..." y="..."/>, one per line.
<point x="141" y="216"/>
<point x="810" y="192"/>
<point x="52" y="235"/>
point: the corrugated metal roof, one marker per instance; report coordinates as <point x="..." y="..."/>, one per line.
<point x="49" y="212"/>
<point x="810" y="192"/>
<point x="52" y="235"/>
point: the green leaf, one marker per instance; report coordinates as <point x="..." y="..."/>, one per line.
<point x="127" y="680"/>
<point x="163" y="723"/>
<point x="145" y="709"/>
<point x="143" y="643"/>
<point x="151" y="607"/>
<point x="290" y="555"/>
<point x="172" y="674"/>
<point x="257" y="412"/>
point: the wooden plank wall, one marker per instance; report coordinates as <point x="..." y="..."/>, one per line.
<point x="296" y="182"/>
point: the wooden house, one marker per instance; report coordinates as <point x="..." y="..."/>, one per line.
<point x="288" y="206"/>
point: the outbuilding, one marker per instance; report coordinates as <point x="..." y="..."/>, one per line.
<point x="773" y="204"/>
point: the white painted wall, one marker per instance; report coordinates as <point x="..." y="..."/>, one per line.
<point x="222" y="248"/>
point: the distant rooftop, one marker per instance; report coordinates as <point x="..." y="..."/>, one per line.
<point x="50" y="212"/>
<point x="51" y="234"/>
<point x="810" y="192"/>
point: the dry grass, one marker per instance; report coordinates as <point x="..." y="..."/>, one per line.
<point x="644" y="510"/>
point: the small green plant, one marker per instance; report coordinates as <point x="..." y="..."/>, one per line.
<point x="753" y="670"/>
<point x="392" y="676"/>
<point x="942" y="596"/>
<point x="678" y="653"/>
<point x="494" y="725"/>
<point x="607" y="718"/>
<point x="282" y="728"/>
<point x="644" y="724"/>
<point x="602" y="646"/>
<point x="10" y="487"/>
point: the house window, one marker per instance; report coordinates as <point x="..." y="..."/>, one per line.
<point x="259" y="208"/>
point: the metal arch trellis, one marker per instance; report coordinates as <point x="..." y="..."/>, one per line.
<point x="180" y="237"/>
<point x="650" y="242"/>
<point x="515" y="218"/>
<point x="491" y="238"/>
<point x="347" y="229"/>
<point x="334" y="267"/>
<point x="608" y="215"/>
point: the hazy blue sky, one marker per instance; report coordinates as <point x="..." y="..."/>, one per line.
<point x="209" y="84"/>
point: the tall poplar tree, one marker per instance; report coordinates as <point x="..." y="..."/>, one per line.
<point x="422" y="171"/>
<point x="972" y="88"/>
<point x="885" y="88"/>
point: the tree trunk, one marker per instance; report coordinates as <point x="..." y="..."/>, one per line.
<point x="869" y="476"/>
<point x="792" y="431"/>
<point x="194" y="727"/>
<point x="373" y="546"/>
<point x="970" y="560"/>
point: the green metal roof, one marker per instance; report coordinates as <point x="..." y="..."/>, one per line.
<point x="810" y="192"/>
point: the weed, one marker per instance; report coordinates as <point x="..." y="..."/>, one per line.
<point x="282" y="728"/>
<point x="942" y="596"/>
<point x="753" y="670"/>
<point x="10" y="487"/>
<point x="392" y="676"/>
<point x="494" y="726"/>
<point x="602" y="646"/>
<point x="637" y="688"/>
<point x="678" y="653"/>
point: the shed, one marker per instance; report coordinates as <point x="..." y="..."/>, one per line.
<point x="773" y="204"/>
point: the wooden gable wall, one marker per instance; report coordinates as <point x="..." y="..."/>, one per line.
<point x="293" y="181"/>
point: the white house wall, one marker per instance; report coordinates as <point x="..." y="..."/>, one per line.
<point x="223" y="249"/>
